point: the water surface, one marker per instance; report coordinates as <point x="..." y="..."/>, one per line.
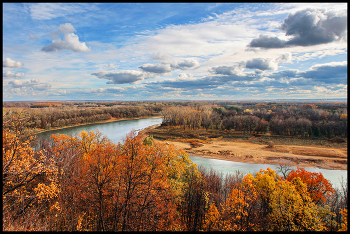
<point x="230" y="167"/>
<point x="115" y="131"/>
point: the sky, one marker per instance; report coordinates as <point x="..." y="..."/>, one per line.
<point x="174" y="51"/>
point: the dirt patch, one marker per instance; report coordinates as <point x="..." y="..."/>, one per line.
<point x="235" y="147"/>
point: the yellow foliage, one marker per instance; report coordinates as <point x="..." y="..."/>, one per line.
<point x="211" y="222"/>
<point x="29" y="177"/>
<point x="247" y="111"/>
<point x="47" y="191"/>
<point x="344" y="220"/>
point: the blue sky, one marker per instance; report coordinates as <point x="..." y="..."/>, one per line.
<point x="168" y="51"/>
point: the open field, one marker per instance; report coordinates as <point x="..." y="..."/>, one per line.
<point x="320" y="153"/>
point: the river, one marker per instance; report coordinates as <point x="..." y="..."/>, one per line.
<point x="117" y="131"/>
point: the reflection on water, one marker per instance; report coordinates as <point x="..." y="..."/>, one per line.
<point x="225" y="167"/>
<point x="117" y="131"/>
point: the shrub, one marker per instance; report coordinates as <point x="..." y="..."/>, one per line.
<point x="270" y="144"/>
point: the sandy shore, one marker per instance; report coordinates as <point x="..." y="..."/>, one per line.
<point x="244" y="151"/>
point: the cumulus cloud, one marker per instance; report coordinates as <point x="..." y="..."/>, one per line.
<point x="284" y="73"/>
<point x="33" y="84"/>
<point x="285" y="58"/>
<point x="161" y="57"/>
<point x="11" y="74"/>
<point x="183" y="76"/>
<point x="262" y="64"/>
<point x="120" y="77"/>
<point x="267" y="42"/>
<point x="328" y="73"/>
<point x="65" y="28"/>
<point x="69" y="42"/>
<point x="159" y="68"/>
<point x="168" y="65"/>
<point x="10" y="63"/>
<point x="111" y="65"/>
<point x="335" y="72"/>
<point x="228" y="70"/>
<point x="186" y="64"/>
<point x="307" y="27"/>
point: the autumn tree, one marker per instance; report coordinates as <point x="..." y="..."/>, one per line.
<point x="29" y="179"/>
<point x="318" y="188"/>
<point x="266" y="202"/>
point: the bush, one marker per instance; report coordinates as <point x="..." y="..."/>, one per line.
<point x="270" y="144"/>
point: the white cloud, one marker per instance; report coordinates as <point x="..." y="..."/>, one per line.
<point x="160" y="68"/>
<point x="33" y="84"/>
<point x="186" y="64"/>
<point x="19" y="74"/>
<point x="285" y="58"/>
<point x="201" y="39"/>
<point x="111" y="65"/>
<point x="161" y="57"/>
<point x="262" y="64"/>
<point x="10" y="63"/>
<point x="65" y="28"/>
<point x="331" y="64"/>
<point x="47" y="11"/>
<point x="120" y="77"/>
<point x="70" y="41"/>
<point x="16" y="82"/>
<point x="169" y="65"/>
<point x="11" y="74"/>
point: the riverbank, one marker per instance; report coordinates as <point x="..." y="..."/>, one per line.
<point x="98" y="122"/>
<point x="250" y="150"/>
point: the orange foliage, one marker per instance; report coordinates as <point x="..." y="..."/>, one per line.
<point x="29" y="180"/>
<point x="309" y="106"/>
<point x="317" y="186"/>
<point x="124" y="187"/>
<point x="48" y="104"/>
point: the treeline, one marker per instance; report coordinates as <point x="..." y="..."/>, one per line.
<point x="87" y="183"/>
<point x="52" y="117"/>
<point x="303" y="120"/>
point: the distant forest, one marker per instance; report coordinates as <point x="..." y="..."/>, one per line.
<point x="305" y="119"/>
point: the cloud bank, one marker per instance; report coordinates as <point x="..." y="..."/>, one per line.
<point x="307" y="27"/>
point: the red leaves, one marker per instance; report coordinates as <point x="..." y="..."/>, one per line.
<point x="318" y="187"/>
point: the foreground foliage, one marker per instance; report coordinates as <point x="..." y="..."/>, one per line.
<point x="87" y="183"/>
